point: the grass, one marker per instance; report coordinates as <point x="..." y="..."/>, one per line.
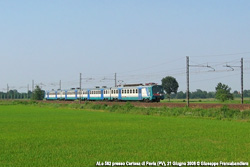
<point x="35" y="135"/>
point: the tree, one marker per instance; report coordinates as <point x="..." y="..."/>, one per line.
<point x="38" y="93"/>
<point x="170" y="85"/>
<point x="223" y="92"/>
<point x="181" y="95"/>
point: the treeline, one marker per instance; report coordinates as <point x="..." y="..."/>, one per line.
<point x="200" y="94"/>
<point x="37" y="94"/>
<point x="14" y="94"/>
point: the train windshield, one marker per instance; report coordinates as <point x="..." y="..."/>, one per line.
<point x="157" y="89"/>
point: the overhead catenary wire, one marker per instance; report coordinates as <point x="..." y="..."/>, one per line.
<point x="224" y="54"/>
<point x="151" y="72"/>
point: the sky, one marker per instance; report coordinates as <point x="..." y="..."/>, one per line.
<point x="140" y="40"/>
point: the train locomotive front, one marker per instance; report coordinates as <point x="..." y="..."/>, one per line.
<point x="157" y="93"/>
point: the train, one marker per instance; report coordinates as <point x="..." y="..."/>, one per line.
<point x="150" y="92"/>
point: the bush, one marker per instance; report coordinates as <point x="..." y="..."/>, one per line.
<point x="128" y="106"/>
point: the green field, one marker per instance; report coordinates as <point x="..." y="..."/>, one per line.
<point x="47" y="136"/>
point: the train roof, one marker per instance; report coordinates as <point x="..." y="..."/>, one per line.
<point x="105" y="88"/>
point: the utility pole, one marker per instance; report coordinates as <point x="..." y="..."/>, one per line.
<point x="28" y="91"/>
<point x="188" y="65"/>
<point x="242" y="96"/>
<point x="60" y="85"/>
<point x="241" y="66"/>
<point x="115" y="80"/>
<point x="187" y="71"/>
<point x="32" y="86"/>
<point x="7" y="91"/>
<point x="80" y="87"/>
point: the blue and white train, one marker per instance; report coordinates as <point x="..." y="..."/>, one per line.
<point x="132" y="92"/>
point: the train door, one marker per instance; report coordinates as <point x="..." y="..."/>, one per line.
<point x="88" y="95"/>
<point x="75" y="94"/>
<point x="139" y="94"/>
<point x="101" y="94"/>
<point x="119" y="94"/>
<point x="56" y="95"/>
<point x="66" y="95"/>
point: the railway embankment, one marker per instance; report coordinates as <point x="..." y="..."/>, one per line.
<point x="170" y="105"/>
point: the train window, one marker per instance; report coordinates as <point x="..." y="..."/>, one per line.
<point x="116" y="91"/>
<point x="136" y="91"/>
<point x="122" y="91"/>
<point x="133" y="91"/>
<point x="130" y="90"/>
